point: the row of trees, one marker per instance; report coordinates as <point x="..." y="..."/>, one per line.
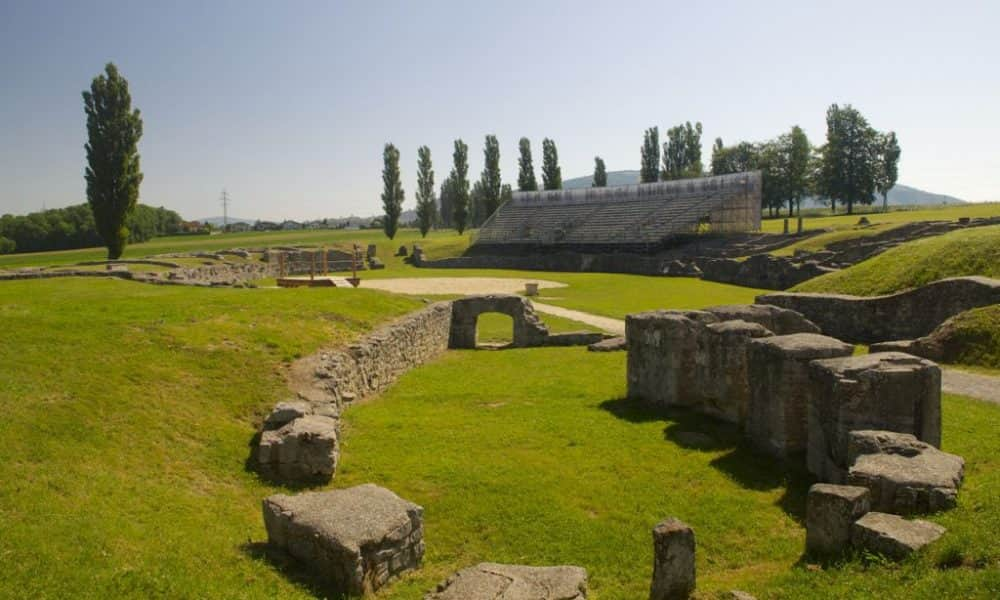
<point x="462" y="204"/>
<point x="681" y="157"/>
<point x="856" y="163"/>
<point x="75" y="227"/>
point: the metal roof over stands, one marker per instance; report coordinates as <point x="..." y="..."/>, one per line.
<point x="645" y="213"/>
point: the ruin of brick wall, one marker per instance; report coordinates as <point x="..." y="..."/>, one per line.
<point x="902" y="316"/>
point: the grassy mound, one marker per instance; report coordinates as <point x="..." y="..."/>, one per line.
<point x="973" y="337"/>
<point x="966" y="252"/>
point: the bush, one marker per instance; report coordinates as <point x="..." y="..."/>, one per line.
<point x="7" y="246"/>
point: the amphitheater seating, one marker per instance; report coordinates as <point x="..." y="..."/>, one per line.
<point x="633" y="214"/>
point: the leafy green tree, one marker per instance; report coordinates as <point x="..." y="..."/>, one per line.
<point x="113" y="175"/>
<point x="849" y="159"/>
<point x="446" y="200"/>
<point x="682" y="152"/>
<point x="477" y="204"/>
<point x="460" y="186"/>
<point x="600" y="173"/>
<point x="7" y="246"/>
<point x="733" y="159"/>
<point x="392" y="193"/>
<point x="888" y="170"/>
<point x="526" y="181"/>
<point x="506" y="194"/>
<point x="490" y="177"/>
<point x="426" y="206"/>
<point x="797" y="164"/>
<point x="649" y="169"/>
<point x="551" y="173"/>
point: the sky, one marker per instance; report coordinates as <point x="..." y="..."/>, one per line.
<point x="287" y="105"/>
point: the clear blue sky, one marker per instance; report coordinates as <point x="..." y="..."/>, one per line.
<point x="288" y="104"/>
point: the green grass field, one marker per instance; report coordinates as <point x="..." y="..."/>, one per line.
<point x="128" y="410"/>
<point x="973" y="251"/>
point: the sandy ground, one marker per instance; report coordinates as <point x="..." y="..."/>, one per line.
<point x="456" y="285"/>
<point x="984" y="387"/>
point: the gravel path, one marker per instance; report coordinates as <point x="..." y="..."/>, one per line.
<point x="983" y="387"/>
<point x="607" y="324"/>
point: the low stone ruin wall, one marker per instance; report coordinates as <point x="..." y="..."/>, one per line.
<point x="206" y="275"/>
<point x="372" y="364"/>
<point x="902" y="316"/>
<point x="762" y="271"/>
<point x="571" y="262"/>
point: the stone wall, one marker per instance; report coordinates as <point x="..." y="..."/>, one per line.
<point x="372" y="364"/>
<point x="902" y="316"/>
<point x="698" y="359"/>
<point x="762" y="271"/>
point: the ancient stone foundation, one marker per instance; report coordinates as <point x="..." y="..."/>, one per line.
<point x="492" y="581"/>
<point x="528" y="328"/>
<point x="357" y="539"/>
<point x="903" y="316"/>
<point x="780" y="389"/>
<point x="893" y="536"/>
<point x="891" y="391"/>
<point x="831" y="510"/>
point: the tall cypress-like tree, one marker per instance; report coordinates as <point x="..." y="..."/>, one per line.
<point x="551" y="173"/>
<point x="446" y="203"/>
<point x="392" y="192"/>
<point x="490" y="177"/>
<point x="426" y="207"/>
<point x="112" y="174"/>
<point x="526" y="181"/>
<point x="888" y="170"/>
<point x="799" y="157"/>
<point x="649" y="169"/>
<point x="460" y="186"/>
<point x="600" y="173"/>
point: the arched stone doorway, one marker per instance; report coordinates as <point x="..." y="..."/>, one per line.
<point x="528" y="328"/>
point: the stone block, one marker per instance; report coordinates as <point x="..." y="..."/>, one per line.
<point x="673" y="561"/>
<point x="893" y="536"/>
<point x="904" y="475"/>
<point x="723" y="386"/>
<point x="609" y="345"/>
<point x="492" y="581"/>
<point x="303" y="450"/>
<point x="779" y="321"/>
<point x="884" y="391"/>
<point x="830" y="512"/>
<point x="356" y="539"/>
<point x="780" y="388"/>
<point x="284" y="413"/>
<point x="663" y="356"/>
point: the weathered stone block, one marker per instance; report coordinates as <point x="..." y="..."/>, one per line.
<point x="723" y="386"/>
<point x="609" y="345"/>
<point x="893" y="536"/>
<point x="357" y="539"/>
<point x="492" y="581"/>
<point x="303" y="450"/>
<point x="286" y="412"/>
<point x="904" y="475"/>
<point x="885" y="391"/>
<point x="780" y="389"/>
<point x="780" y="321"/>
<point x="673" y="561"/>
<point x="663" y="356"/>
<point x="830" y="512"/>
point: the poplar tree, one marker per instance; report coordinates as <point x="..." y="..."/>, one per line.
<point x="446" y="202"/>
<point x="460" y="185"/>
<point x="392" y="193"/>
<point x="799" y="157"/>
<point x="425" y="191"/>
<point x="526" y="181"/>
<point x="551" y="173"/>
<point x="649" y="170"/>
<point x="682" y="152"/>
<point x="112" y="173"/>
<point x="600" y="173"/>
<point x="888" y="170"/>
<point x="490" y="177"/>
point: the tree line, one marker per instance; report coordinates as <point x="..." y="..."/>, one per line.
<point x="75" y="227"/>
<point x="856" y="163"/>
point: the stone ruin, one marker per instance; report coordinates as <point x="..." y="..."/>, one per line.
<point x="871" y="421"/>
<point x="528" y="327"/>
<point x="492" y="581"/>
<point x="358" y="539"/>
<point x="673" y="561"/>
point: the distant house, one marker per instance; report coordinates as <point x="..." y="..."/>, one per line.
<point x="266" y="226"/>
<point x="290" y="225"/>
<point x="238" y="227"/>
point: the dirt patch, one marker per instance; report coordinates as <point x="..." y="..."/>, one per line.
<point x="456" y="285"/>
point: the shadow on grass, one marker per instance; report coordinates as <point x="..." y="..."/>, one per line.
<point x="291" y="569"/>
<point x="741" y="463"/>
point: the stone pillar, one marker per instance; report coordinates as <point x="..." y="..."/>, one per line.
<point x="724" y="385"/>
<point x="780" y="389"/>
<point x="673" y="561"/>
<point x="663" y="355"/>
<point x="830" y="512"/>
<point x="888" y="391"/>
<point x="786" y="227"/>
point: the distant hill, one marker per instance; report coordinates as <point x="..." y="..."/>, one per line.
<point x="217" y="221"/>
<point x="899" y="195"/>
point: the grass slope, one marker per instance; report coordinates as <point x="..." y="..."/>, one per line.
<point x="128" y="409"/>
<point x="965" y="252"/>
<point x="532" y="456"/>
<point x="976" y="336"/>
